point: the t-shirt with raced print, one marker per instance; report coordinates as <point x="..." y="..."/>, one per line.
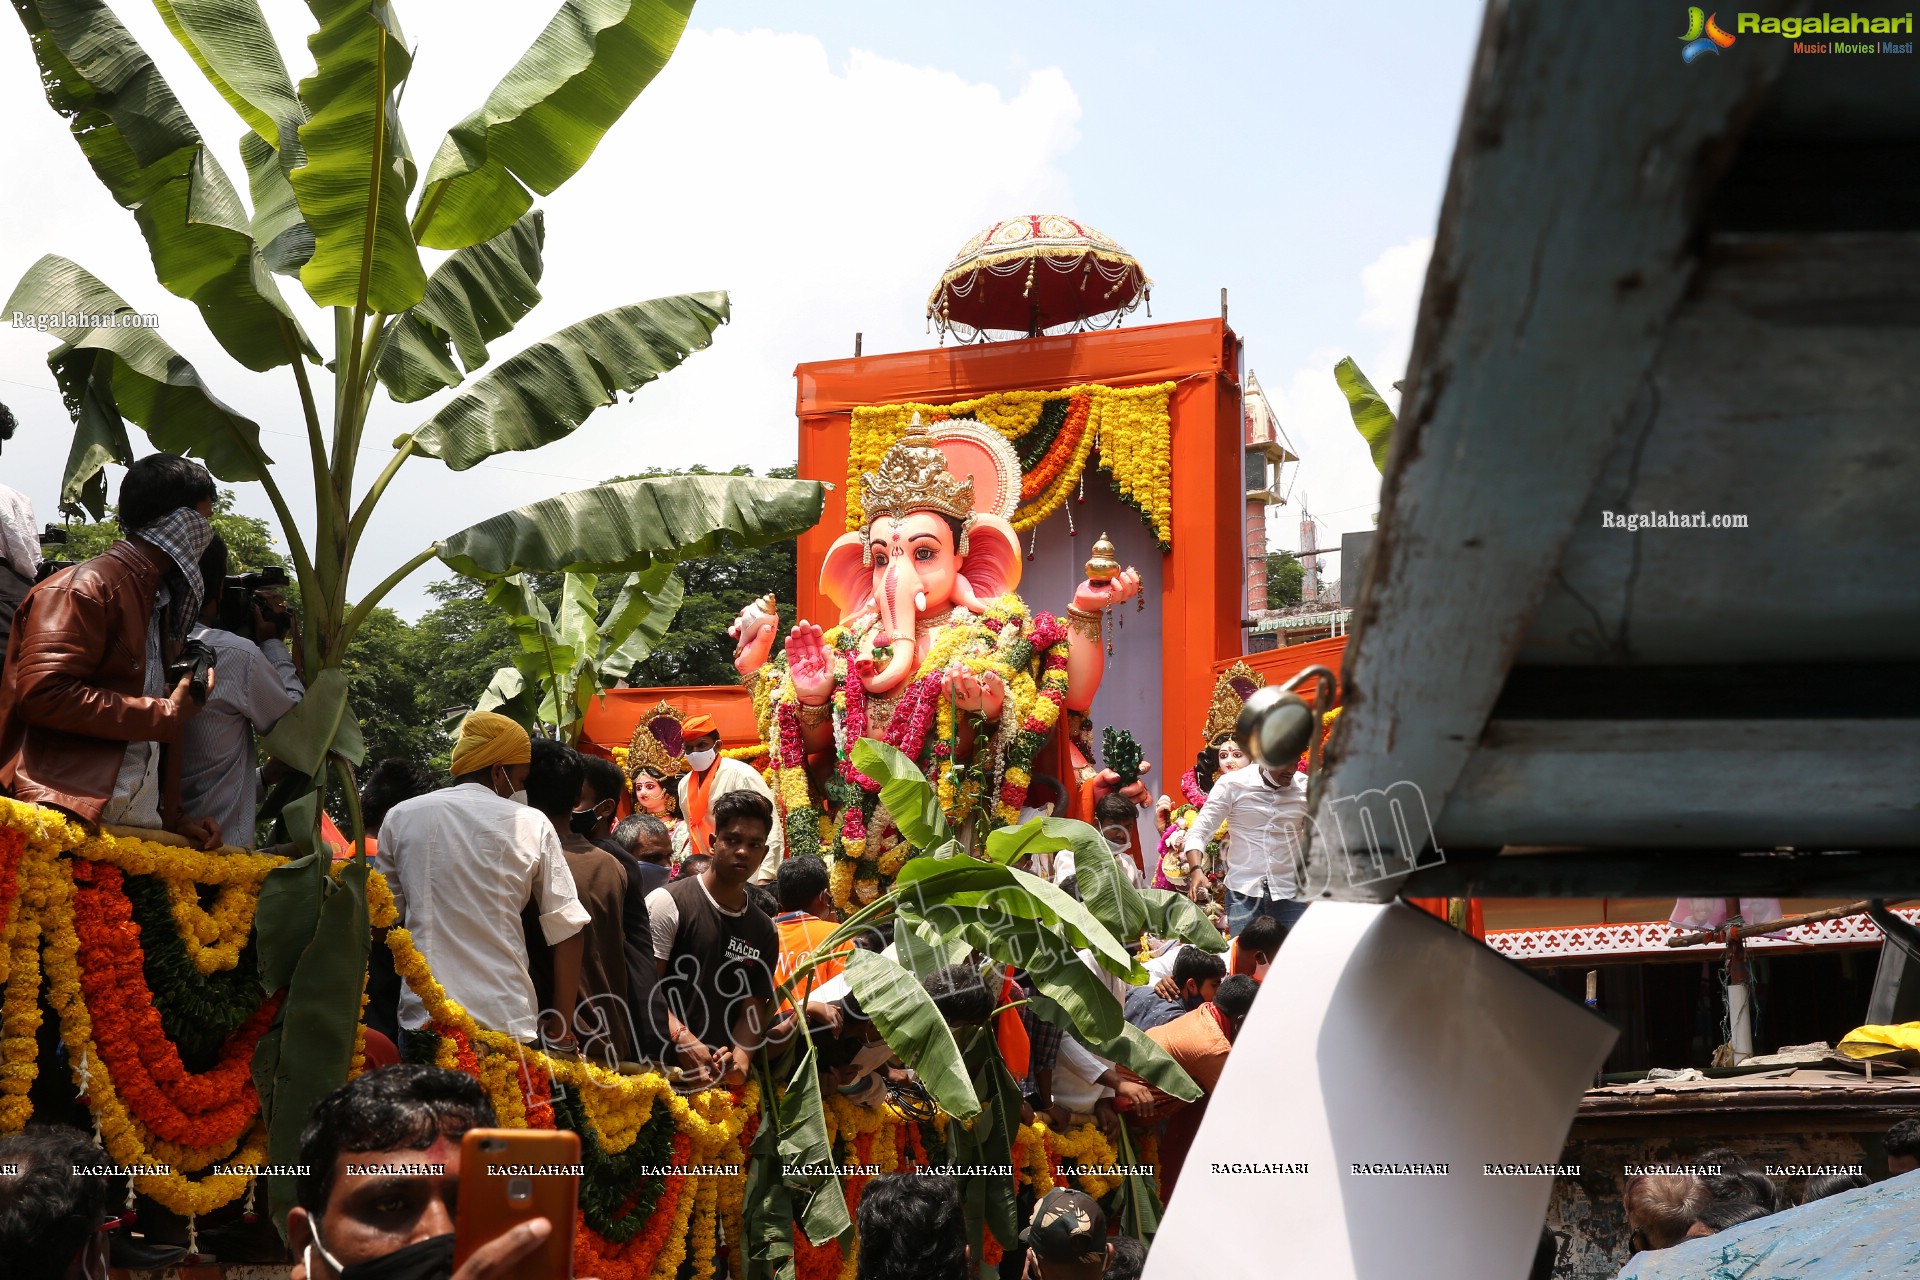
<point x="710" y="959"/>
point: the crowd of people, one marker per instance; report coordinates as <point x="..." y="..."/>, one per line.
<point x="634" y="916"/>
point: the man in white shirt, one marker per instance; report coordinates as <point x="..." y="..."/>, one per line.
<point x="257" y="684"/>
<point x="1263" y="811"/>
<point x="462" y="862"/>
<point x="19" y="544"/>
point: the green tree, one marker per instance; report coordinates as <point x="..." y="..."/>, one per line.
<point x="1284" y="576"/>
<point x="338" y="204"/>
<point x="697" y="648"/>
<point x="250" y="541"/>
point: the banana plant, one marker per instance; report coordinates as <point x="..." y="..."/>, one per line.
<point x="1371" y="417"/>
<point x="420" y="277"/>
<point x="569" y="658"/>
<point x="950" y="907"/>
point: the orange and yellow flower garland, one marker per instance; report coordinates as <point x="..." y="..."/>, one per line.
<point x="71" y="916"/>
<point x="1131" y="428"/>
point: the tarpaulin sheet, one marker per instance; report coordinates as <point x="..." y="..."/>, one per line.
<point x="1871" y="1233"/>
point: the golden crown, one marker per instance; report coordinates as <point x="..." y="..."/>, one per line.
<point x="647" y="751"/>
<point x="913" y="476"/>
<point x="1230" y="693"/>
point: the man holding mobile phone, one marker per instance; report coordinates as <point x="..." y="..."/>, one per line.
<point x="378" y="1197"/>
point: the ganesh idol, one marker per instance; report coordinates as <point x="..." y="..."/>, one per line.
<point x="933" y="653"/>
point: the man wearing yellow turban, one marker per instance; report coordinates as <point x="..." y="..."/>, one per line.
<point x="487" y="742"/>
<point x="463" y="862"/>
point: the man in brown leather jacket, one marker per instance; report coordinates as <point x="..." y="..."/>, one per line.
<point x="84" y="711"/>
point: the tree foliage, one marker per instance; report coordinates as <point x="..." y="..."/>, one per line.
<point x="250" y="541"/>
<point x="1284" y="575"/>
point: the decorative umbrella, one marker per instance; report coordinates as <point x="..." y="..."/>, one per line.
<point x="1037" y="274"/>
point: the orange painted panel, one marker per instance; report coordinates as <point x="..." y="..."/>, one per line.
<point x="612" y="719"/>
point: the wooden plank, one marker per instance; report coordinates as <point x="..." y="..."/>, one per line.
<point x="1703" y="784"/>
<point x="1786" y="393"/>
<point x="1563" y="248"/>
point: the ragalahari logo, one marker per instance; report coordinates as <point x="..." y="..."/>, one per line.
<point x="1703" y="35"/>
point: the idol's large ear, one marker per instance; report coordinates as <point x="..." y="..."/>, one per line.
<point x="846" y="581"/>
<point x="992" y="562"/>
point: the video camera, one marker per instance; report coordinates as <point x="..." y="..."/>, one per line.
<point x="241" y="605"/>
<point x="53" y="536"/>
<point x="194" y="662"/>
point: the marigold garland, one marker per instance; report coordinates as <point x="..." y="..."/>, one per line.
<point x="1130" y="428"/>
<point x="213" y="937"/>
<point x="208" y="1109"/>
<point x="85" y="926"/>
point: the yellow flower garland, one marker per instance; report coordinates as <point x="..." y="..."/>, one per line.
<point x="213" y="939"/>
<point x="1133" y="427"/>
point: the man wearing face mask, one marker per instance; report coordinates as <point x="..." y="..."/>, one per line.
<point x="377" y="1199"/>
<point x="462" y="862"/>
<point x="87" y="722"/>
<point x="711" y="776"/>
<point x="556" y="787"/>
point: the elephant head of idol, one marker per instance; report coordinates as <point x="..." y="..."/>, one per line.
<point x="938" y="537"/>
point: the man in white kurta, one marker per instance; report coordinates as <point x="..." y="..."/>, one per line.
<point x="462" y="863"/>
<point x="710" y="776"/>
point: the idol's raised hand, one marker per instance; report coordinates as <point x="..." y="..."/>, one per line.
<point x="810" y="664"/>
<point x="753" y="632"/>
<point x="1093" y="596"/>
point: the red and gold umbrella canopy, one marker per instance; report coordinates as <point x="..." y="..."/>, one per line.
<point x="1041" y="273"/>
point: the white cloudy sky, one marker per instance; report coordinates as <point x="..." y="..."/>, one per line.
<point x="822" y="162"/>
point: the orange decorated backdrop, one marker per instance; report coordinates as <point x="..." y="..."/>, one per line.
<point x="1201" y="577"/>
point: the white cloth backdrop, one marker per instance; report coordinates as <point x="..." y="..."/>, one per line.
<point x="1383" y="1037"/>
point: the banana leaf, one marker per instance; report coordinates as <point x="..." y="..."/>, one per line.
<point x="642" y="612"/>
<point x="1172" y="915"/>
<point x="107" y="373"/>
<point x="148" y="154"/>
<point x="1129" y="1046"/>
<point x="351" y="190"/>
<point x="230" y="42"/>
<point x="545" y="392"/>
<point x="905" y="792"/>
<point x="989" y="1202"/>
<point x="913" y="1029"/>
<point x="926" y="883"/>
<point x="284" y="238"/>
<point x="767" y="1210"/>
<point x="319" y="724"/>
<point x="320" y="1015"/>
<point x="506" y="694"/>
<point x="546" y="116"/>
<point x="632" y="524"/>
<point x="1371" y="417"/>
<point x="477" y="295"/>
<point x="806" y="1155"/>
<point x="1105" y="890"/>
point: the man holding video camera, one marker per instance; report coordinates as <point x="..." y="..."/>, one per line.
<point x="90" y="694"/>
<point x="245" y="625"/>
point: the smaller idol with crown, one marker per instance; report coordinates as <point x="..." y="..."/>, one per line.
<point x="933" y="654"/>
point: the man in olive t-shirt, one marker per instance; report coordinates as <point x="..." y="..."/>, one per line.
<point x="716" y="950"/>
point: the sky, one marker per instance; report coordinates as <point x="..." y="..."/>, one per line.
<point x="823" y="162"/>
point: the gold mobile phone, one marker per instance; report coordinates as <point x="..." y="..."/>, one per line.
<point x="511" y="1176"/>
